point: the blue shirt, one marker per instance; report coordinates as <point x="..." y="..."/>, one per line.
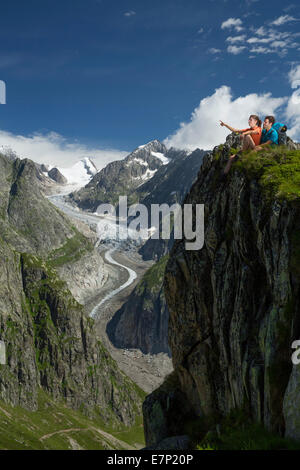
<point x="270" y="135"/>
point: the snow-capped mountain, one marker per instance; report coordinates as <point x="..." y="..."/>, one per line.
<point x="80" y="173"/>
<point x="122" y="176"/>
<point x="74" y="177"/>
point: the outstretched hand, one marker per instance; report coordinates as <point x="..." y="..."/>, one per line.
<point x="222" y="123"/>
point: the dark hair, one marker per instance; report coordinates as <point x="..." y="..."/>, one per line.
<point x="271" y="119"/>
<point x="256" y="119"/>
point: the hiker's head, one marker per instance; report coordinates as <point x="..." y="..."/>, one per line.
<point x="254" y="121"/>
<point x="268" y="122"/>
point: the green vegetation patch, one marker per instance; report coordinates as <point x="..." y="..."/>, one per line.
<point x="54" y="426"/>
<point x="71" y="251"/>
<point x="237" y="432"/>
<point x="277" y="170"/>
<point x="153" y="278"/>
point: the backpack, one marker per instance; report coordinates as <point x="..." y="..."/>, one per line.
<point x="281" y="131"/>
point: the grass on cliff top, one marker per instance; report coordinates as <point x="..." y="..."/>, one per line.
<point x="277" y="169"/>
<point x="54" y="426"/>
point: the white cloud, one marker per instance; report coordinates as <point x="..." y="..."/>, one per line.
<point x="54" y="149"/>
<point x="234" y="39"/>
<point x="293" y="107"/>
<point x="232" y="23"/>
<point x="213" y="50"/>
<point x="261" y="31"/>
<point x="203" y="129"/>
<point x="283" y="19"/>
<point x="294" y="76"/>
<point x="264" y="39"/>
<point x="129" y="13"/>
<point x="235" y="49"/>
<point x="276" y="43"/>
<point x="261" y="50"/>
<point x="281" y="44"/>
<point x="254" y="40"/>
<point x="293" y="114"/>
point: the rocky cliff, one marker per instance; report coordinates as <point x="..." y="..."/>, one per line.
<point x="50" y="342"/>
<point x="234" y="305"/>
<point x="142" y="321"/>
<point x="56" y="175"/>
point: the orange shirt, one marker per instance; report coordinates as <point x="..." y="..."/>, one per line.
<point x="256" y="137"/>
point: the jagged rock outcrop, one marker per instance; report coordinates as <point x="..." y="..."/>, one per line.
<point x="50" y="342"/>
<point x="28" y="221"/>
<point x="142" y="321"/>
<point x="56" y="175"/>
<point x="234" y="304"/>
<point x="169" y="186"/>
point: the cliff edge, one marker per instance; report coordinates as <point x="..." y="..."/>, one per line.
<point x="234" y="304"/>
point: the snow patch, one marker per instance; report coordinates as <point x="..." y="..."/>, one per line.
<point x="80" y="173"/>
<point x="161" y="156"/>
<point x="148" y="174"/>
<point x="139" y="160"/>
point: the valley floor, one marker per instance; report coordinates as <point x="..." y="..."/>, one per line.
<point x="147" y="371"/>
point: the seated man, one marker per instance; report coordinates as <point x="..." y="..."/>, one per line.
<point x="269" y="135"/>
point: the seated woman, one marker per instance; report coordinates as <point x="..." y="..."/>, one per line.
<point x="250" y="137"/>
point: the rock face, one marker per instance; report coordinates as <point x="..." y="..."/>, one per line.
<point x="234" y="305"/>
<point x="84" y="276"/>
<point x="165" y="411"/>
<point x="28" y="221"/>
<point x="56" y="175"/>
<point x="70" y="362"/>
<point x="169" y="185"/>
<point x="142" y="321"/>
<point x="50" y="342"/>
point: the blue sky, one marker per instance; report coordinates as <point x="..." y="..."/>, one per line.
<point x="115" y="74"/>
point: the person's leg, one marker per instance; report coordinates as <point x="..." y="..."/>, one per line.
<point x="229" y="163"/>
<point x="248" y="143"/>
